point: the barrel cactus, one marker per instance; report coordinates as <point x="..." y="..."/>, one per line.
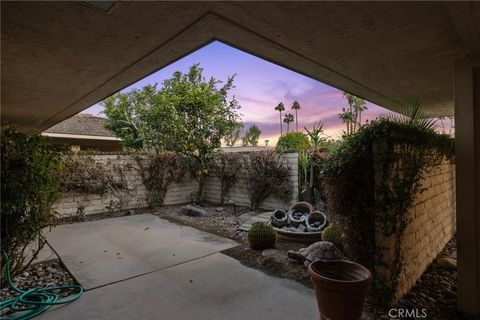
<point x="261" y="236"/>
<point x="333" y="234"/>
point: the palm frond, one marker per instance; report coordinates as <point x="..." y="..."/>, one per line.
<point x="412" y="115"/>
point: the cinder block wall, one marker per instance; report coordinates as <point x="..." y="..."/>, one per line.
<point x="134" y="197"/>
<point x="178" y="193"/>
<point x="432" y="224"/>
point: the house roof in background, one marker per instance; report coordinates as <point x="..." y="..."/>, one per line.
<point x="82" y="124"/>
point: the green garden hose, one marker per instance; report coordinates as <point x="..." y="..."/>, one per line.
<point x="33" y="302"/>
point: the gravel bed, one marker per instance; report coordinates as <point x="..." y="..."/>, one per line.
<point x="435" y="291"/>
<point x="222" y="221"/>
<point x="101" y="216"/>
<point x="50" y="273"/>
<point x="225" y="223"/>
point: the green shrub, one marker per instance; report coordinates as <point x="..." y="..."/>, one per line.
<point x="293" y="141"/>
<point x="372" y="178"/>
<point x="261" y="236"/>
<point x="30" y="186"/>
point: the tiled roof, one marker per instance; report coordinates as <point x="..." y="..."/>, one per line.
<point x="82" y="124"/>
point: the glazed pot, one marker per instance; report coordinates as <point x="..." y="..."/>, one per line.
<point x="279" y="218"/>
<point x="340" y="288"/>
<point x="316" y="221"/>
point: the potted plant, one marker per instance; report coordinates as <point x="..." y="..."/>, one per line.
<point x="340" y="288"/>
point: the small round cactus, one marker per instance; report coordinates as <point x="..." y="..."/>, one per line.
<point x="261" y="236"/>
<point x="333" y="234"/>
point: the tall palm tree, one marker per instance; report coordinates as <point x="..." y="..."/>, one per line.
<point x="296" y="107"/>
<point x="287" y="119"/>
<point x="352" y="116"/>
<point x="280" y="107"/>
<point x="359" y="105"/>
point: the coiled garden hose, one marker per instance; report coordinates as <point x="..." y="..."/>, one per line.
<point x="33" y="302"/>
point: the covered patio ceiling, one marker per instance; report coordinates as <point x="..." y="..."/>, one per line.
<point x="59" y="58"/>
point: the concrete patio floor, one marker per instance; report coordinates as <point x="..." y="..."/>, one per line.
<point x="167" y="271"/>
<point x="106" y="251"/>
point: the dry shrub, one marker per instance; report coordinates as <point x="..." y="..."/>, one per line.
<point x="161" y="171"/>
<point x="82" y="174"/>
<point x="226" y="167"/>
<point x="266" y="175"/>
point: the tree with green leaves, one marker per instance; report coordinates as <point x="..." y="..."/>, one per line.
<point x="288" y="119"/>
<point x="232" y="137"/>
<point x="125" y="112"/>
<point x="296" y="106"/>
<point x="30" y="174"/>
<point x="188" y="115"/>
<point x="296" y="141"/>
<point x="280" y="108"/>
<point x="251" y="136"/>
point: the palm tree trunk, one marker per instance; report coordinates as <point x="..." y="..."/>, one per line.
<point x="281" y="126"/>
<point x="296" y="118"/>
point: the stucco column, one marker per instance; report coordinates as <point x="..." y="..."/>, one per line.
<point x="467" y="137"/>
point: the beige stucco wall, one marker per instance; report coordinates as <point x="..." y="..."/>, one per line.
<point x="178" y="193"/>
<point x="432" y="223"/>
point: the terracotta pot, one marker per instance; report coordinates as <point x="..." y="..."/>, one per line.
<point x="302" y="206"/>
<point x="340" y="287"/>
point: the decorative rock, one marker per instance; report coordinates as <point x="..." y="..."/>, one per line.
<point x="192" y="211"/>
<point x="244" y="218"/>
<point x="447" y="263"/>
<point x="268" y="252"/>
<point x="219" y="209"/>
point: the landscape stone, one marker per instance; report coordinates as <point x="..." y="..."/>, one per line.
<point x="193" y="211"/>
<point x="447" y="263"/>
<point x="268" y="252"/>
<point x="244" y="218"/>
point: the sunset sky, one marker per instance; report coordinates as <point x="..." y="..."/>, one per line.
<point x="259" y="87"/>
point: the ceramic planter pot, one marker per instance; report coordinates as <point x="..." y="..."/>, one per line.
<point x="340" y="288"/>
<point x="279" y="218"/>
<point x="316" y="221"/>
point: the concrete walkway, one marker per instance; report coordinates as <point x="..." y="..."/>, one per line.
<point x="203" y="284"/>
<point x="105" y="251"/>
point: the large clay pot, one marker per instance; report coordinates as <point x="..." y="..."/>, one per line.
<point x="340" y="287"/>
<point x="302" y="206"/>
<point x="298" y="213"/>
